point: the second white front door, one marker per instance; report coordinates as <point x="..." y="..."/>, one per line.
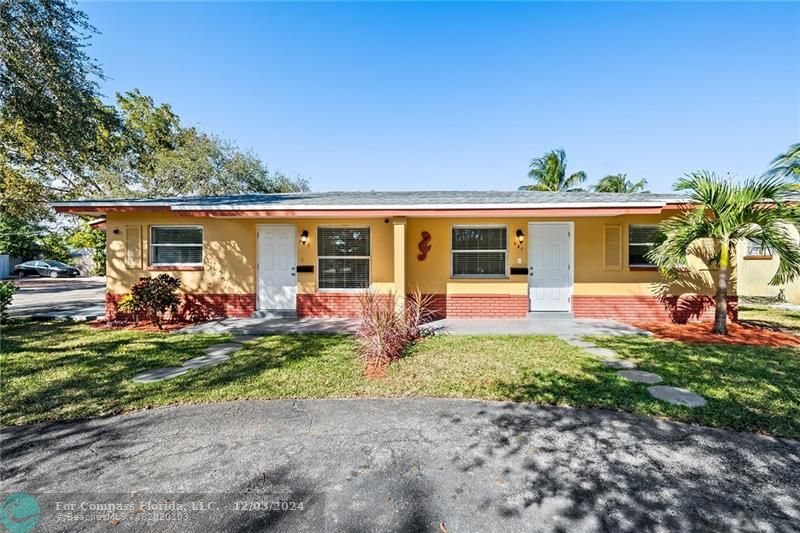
<point x="277" y="269"/>
<point x="549" y="266"/>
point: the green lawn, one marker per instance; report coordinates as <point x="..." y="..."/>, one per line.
<point x="59" y="370"/>
<point x="770" y="317"/>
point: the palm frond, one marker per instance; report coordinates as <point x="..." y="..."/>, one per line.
<point x="549" y="172"/>
<point x="787" y="165"/>
<point x="778" y="238"/>
<point x="575" y="179"/>
<point x="676" y="237"/>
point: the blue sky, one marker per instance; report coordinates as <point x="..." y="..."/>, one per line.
<point x="402" y="96"/>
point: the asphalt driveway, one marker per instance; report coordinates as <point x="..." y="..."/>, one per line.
<point x="406" y="465"/>
<point x="60" y="297"/>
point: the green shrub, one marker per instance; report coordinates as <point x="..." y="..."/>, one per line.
<point x="7" y="290"/>
<point x="156" y="296"/>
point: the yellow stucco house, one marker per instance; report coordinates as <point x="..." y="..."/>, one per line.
<point x="480" y="254"/>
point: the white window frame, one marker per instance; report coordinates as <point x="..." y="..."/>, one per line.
<point x="152" y="245"/>
<point x="628" y="247"/>
<point x="368" y="258"/>
<point x="453" y="275"/>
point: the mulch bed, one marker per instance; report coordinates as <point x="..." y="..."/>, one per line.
<point x="143" y="325"/>
<point x="738" y="333"/>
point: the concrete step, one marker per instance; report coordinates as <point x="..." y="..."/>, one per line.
<point x="275" y="313"/>
<point x="534" y="315"/>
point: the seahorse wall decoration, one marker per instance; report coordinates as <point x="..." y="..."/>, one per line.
<point x="424" y="246"/>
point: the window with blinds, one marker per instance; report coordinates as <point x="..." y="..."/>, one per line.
<point x="612" y="247"/>
<point x="176" y="245"/>
<point x="343" y="256"/>
<point x="641" y="238"/>
<point x="479" y="252"/>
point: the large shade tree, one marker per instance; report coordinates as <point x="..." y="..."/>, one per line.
<point x="549" y="173"/>
<point x="727" y="213"/>
<point x="620" y="183"/>
<point x="58" y="140"/>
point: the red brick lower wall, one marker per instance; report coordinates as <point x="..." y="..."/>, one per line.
<point x="346" y="305"/>
<point x="479" y="305"/>
<point x="328" y="305"/>
<point x="198" y="307"/>
<point x="648" y="308"/>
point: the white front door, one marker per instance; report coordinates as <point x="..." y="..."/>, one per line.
<point x="549" y="266"/>
<point x="277" y="284"/>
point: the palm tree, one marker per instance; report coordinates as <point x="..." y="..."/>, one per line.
<point x="787" y="165"/>
<point x="727" y="213"/>
<point x="620" y="183"/>
<point x="549" y="173"/>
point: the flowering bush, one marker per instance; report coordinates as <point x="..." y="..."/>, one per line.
<point x="156" y="296"/>
<point x="388" y="326"/>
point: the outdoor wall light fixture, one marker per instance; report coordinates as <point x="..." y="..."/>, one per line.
<point x="520" y="236"/>
<point x="304" y="237"/>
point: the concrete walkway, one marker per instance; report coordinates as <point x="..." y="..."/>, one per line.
<point x="535" y="325"/>
<point x="407" y="465"/>
<point x="272" y="326"/>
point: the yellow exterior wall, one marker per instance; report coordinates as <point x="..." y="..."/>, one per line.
<point x="230" y="255"/>
<point x="754" y="276"/>
<point x="433" y="274"/>
<point x="230" y="252"/>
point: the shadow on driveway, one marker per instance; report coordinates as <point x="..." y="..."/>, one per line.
<point x="411" y="464"/>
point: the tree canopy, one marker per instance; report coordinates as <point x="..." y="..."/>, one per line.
<point x="620" y="183"/>
<point x="60" y="141"/>
<point x="549" y="173"/>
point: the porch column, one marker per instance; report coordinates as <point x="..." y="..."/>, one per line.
<point x="400" y="259"/>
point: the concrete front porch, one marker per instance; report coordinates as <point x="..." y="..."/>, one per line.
<point x="561" y="326"/>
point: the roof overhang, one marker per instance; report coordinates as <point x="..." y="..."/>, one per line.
<point x="441" y="210"/>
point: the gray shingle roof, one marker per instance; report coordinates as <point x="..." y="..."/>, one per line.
<point x="376" y="199"/>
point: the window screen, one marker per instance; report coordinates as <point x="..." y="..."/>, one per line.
<point x="479" y="252"/>
<point x="343" y="256"/>
<point x="640" y="240"/>
<point x="176" y="245"/>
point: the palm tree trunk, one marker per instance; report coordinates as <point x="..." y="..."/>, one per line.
<point x="721" y="299"/>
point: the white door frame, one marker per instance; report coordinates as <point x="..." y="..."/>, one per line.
<point x="258" y="261"/>
<point x="571" y="256"/>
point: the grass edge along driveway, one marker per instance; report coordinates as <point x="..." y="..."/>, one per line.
<point x="59" y="371"/>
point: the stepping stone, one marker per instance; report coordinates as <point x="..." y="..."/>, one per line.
<point x="158" y="374"/>
<point x="676" y="396"/>
<point x="640" y="376"/>
<point x="619" y="363"/>
<point x="206" y="360"/>
<point x="578" y="343"/>
<point x="601" y="352"/>
<point x="223" y="349"/>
